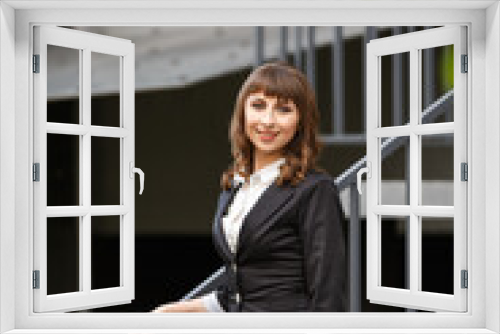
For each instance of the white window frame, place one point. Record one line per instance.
(16, 125)
(85, 44)
(413, 44)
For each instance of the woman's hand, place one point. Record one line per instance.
(192, 305)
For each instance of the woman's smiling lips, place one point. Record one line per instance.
(266, 135)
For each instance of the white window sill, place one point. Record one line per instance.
(267, 331)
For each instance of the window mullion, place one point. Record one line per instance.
(85, 164)
(415, 170)
(81, 221)
(85, 274)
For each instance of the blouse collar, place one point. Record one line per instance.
(263, 175)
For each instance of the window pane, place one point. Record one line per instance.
(437, 255)
(105, 171)
(105, 252)
(395, 89)
(63, 85)
(437, 84)
(394, 235)
(63, 170)
(63, 245)
(105, 89)
(437, 169)
(395, 171)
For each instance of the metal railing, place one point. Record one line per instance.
(348, 179)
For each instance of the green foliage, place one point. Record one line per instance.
(446, 68)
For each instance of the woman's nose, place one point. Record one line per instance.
(268, 117)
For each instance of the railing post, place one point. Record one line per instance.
(311, 57)
(259, 42)
(397, 82)
(283, 43)
(354, 252)
(429, 88)
(446, 73)
(298, 48)
(338, 81)
(371, 33)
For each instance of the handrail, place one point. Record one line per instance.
(434, 110)
(207, 285)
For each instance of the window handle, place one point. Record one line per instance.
(141, 175)
(363, 170)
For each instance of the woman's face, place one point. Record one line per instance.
(269, 126)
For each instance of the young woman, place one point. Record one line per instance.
(278, 225)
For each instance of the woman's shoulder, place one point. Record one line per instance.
(315, 177)
(318, 185)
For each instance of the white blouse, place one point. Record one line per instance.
(243, 202)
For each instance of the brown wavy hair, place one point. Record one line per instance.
(285, 82)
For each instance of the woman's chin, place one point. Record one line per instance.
(268, 150)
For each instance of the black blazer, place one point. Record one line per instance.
(291, 253)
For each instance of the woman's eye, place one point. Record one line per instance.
(285, 109)
(258, 105)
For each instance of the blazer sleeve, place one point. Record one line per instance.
(222, 291)
(324, 248)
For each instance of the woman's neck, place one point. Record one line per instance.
(263, 160)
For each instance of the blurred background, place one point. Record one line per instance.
(187, 80)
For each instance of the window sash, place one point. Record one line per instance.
(86, 297)
(414, 43)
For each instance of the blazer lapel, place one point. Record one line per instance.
(219, 235)
(254, 224)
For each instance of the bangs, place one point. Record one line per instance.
(277, 83)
